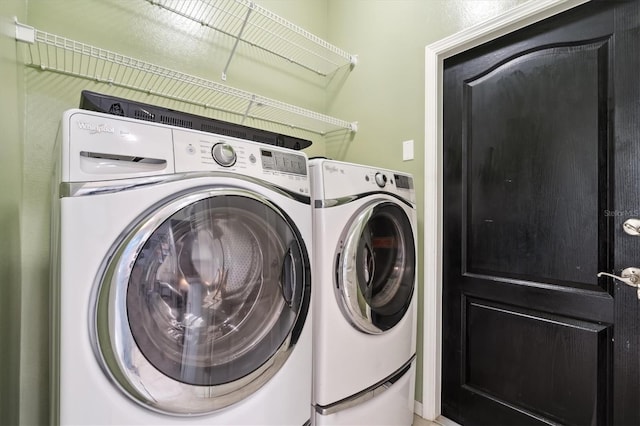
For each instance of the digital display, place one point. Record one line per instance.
(403, 181)
(284, 162)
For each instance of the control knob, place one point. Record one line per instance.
(381, 179)
(224, 154)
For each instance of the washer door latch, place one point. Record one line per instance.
(629, 276)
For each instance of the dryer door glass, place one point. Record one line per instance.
(376, 268)
(203, 301)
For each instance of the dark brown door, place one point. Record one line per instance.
(541, 170)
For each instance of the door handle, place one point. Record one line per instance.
(629, 276)
(632, 227)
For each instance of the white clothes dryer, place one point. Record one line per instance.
(181, 279)
(364, 300)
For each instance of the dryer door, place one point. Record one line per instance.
(203, 301)
(376, 267)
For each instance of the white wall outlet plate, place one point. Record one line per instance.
(407, 150)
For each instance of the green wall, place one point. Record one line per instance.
(384, 93)
(11, 142)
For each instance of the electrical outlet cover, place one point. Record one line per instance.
(407, 150)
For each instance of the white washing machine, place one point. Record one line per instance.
(364, 300)
(181, 284)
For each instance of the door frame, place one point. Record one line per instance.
(435, 54)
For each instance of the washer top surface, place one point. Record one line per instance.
(102, 147)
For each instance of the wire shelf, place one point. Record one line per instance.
(50, 52)
(250, 23)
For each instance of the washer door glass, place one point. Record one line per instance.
(376, 268)
(216, 290)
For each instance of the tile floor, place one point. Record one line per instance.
(440, 421)
(419, 421)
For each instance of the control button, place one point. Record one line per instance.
(252, 158)
(191, 149)
(381, 180)
(224, 154)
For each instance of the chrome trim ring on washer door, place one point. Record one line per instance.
(202, 301)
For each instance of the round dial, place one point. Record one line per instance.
(381, 179)
(224, 154)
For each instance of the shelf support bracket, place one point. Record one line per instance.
(24, 33)
(246, 113)
(238, 38)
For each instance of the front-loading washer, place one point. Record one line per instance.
(364, 301)
(181, 277)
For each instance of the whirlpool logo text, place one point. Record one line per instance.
(93, 128)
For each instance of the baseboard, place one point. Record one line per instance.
(417, 408)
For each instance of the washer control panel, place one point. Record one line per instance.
(200, 152)
(224, 154)
(285, 162)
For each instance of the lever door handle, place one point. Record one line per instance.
(629, 276)
(632, 227)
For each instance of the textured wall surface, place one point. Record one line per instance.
(11, 118)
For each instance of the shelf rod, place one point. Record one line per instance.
(238, 38)
(246, 113)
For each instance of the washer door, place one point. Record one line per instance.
(203, 301)
(376, 267)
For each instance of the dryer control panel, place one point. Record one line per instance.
(201, 152)
(339, 179)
